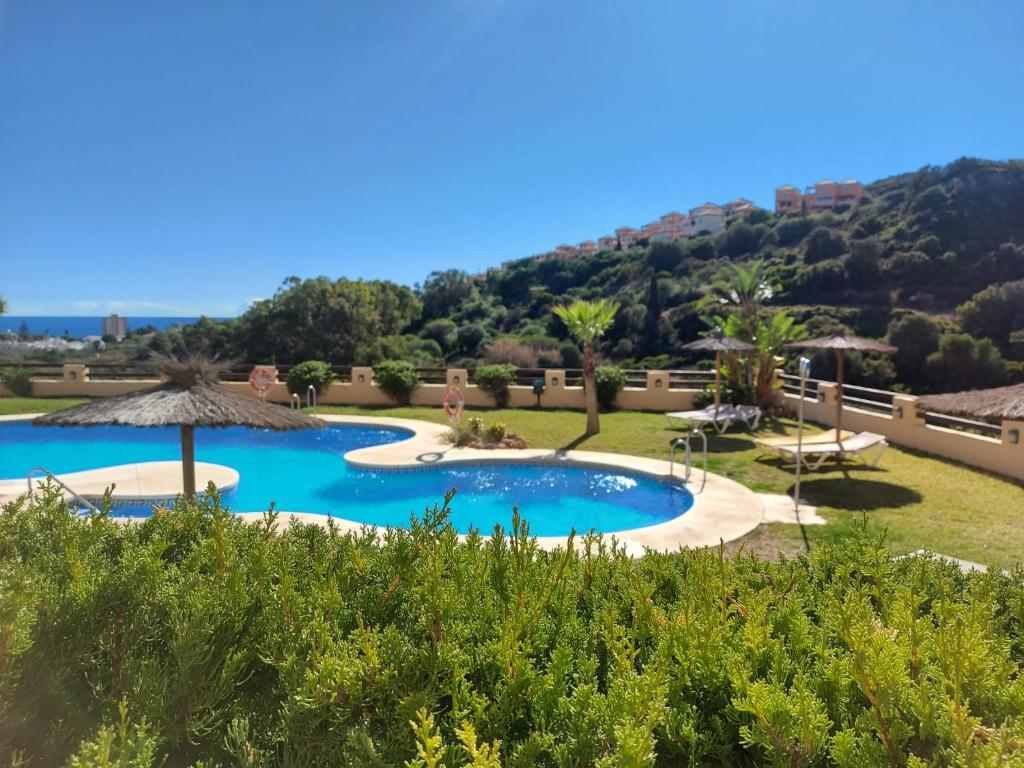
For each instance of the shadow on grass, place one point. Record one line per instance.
(856, 494)
(727, 444)
(576, 443)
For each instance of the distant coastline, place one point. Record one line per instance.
(77, 327)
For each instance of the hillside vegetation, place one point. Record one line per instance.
(934, 260)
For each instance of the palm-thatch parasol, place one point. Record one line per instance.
(192, 397)
(841, 343)
(718, 342)
(1004, 403)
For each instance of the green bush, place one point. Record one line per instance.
(397, 379)
(235, 644)
(497, 431)
(610, 381)
(18, 380)
(495, 380)
(312, 372)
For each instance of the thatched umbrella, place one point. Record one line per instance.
(841, 344)
(190, 398)
(1002, 403)
(718, 342)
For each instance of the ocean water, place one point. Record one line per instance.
(305, 471)
(76, 327)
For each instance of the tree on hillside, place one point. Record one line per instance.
(587, 322)
(994, 313)
(963, 362)
(652, 317)
(916, 337)
(823, 244)
(444, 291)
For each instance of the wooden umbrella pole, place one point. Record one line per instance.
(188, 461)
(718, 381)
(840, 357)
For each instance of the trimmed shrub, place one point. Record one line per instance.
(495, 380)
(610, 381)
(312, 372)
(18, 380)
(397, 379)
(239, 643)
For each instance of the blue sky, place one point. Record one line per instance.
(184, 157)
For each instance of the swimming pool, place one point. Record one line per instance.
(305, 471)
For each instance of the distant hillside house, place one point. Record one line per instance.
(627, 236)
(738, 207)
(606, 243)
(824, 195)
(587, 246)
(708, 218)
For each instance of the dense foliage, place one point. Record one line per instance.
(397, 378)
(945, 242)
(495, 379)
(610, 380)
(311, 373)
(197, 637)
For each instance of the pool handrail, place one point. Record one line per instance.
(53, 478)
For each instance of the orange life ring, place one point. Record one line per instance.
(261, 379)
(453, 402)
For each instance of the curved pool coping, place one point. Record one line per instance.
(724, 511)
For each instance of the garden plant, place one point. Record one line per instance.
(195, 638)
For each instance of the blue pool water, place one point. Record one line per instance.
(304, 472)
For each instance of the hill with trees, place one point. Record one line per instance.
(933, 261)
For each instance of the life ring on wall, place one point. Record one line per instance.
(454, 402)
(261, 379)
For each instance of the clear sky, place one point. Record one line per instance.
(165, 158)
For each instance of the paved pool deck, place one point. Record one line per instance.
(723, 510)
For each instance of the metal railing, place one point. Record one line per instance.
(970, 426)
(54, 479)
(878, 400)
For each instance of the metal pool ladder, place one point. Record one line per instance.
(54, 479)
(688, 456)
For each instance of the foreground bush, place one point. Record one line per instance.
(195, 638)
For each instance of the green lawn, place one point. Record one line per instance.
(10, 406)
(917, 500)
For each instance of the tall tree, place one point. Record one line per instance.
(652, 318)
(587, 322)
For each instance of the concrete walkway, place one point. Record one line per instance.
(142, 482)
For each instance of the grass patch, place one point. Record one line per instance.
(12, 406)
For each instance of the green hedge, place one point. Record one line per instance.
(194, 636)
(315, 373)
(495, 380)
(610, 380)
(397, 379)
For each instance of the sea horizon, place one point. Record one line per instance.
(79, 326)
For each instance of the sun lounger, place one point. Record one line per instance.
(769, 445)
(813, 455)
(726, 416)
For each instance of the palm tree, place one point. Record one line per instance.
(746, 291)
(587, 322)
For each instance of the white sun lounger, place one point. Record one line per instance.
(813, 455)
(727, 415)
